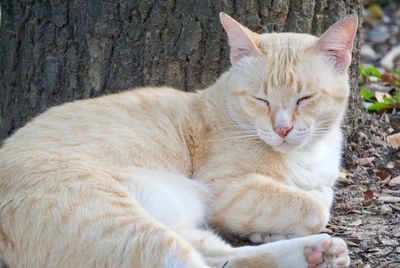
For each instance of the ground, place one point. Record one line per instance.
(367, 207)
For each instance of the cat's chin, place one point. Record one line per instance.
(284, 147)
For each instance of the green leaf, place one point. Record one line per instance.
(378, 106)
(388, 100)
(396, 98)
(366, 94)
(396, 71)
(373, 71)
(370, 71)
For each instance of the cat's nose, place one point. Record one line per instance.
(283, 131)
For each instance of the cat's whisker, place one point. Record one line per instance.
(233, 130)
(235, 137)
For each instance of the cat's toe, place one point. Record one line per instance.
(337, 255)
(256, 238)
(314, 255)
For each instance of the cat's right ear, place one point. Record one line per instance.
(337, 42)
(242, 41)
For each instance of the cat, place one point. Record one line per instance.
(134, 179)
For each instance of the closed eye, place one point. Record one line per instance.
(263, 100)
(304, 98)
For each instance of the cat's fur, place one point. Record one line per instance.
(128, 180)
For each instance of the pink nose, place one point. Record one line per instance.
(283, 131)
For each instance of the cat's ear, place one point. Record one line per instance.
(242, 41)
(337, 42)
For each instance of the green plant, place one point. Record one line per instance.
(380, 101)
(368, 71)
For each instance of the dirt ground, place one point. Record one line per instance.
(367, 208)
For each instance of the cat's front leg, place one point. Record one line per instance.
(258, 204)
(324, 193)
(315, 251)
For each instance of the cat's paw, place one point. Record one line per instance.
(328, 253)
(259, 238)
(337, 256)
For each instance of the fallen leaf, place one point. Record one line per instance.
(352, 244)
(395, 181)
(356, 223)
(342, 175)
(380, 96)
(394, 140)
(365, 161)
(394, 207)
(388, 60)
(344, 179)
(391, 164)
(385, 209)
(389, 242)
(388, 78)
(327, 230)
(382, 174)
(368, 195)
(389, 199)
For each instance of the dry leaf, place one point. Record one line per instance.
(389, 199)
(395, 181)
(365, 161)
(388, 78)
(388, 60)
(368, 195)
(394, 140)
(391, 164)
(327, 230)
(356, 223)
(382, 174)
(342, 175)
(380, 96)
(344, 179)
(351, 244)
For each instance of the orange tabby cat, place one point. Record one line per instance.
(132, 179)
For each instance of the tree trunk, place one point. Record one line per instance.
(57, 51)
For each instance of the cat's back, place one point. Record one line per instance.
(142, 127)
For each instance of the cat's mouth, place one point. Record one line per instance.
(282, 145)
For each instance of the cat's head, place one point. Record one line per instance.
(288, 88)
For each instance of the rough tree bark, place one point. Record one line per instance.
(61, 50)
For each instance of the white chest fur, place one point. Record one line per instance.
(317, 165)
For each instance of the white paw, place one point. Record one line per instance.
(337, 256)
(258, 238)
(327, 253)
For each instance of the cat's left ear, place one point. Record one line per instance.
(242, 41)
(337, 42)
